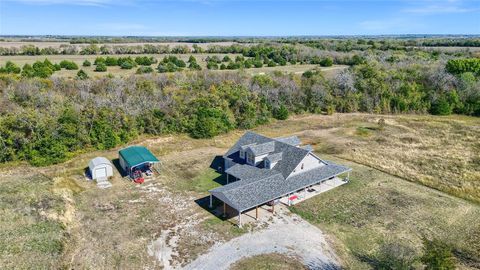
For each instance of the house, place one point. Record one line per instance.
(101, 169)
(136, 159)
(261, 170)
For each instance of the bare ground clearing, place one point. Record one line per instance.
(284, 233)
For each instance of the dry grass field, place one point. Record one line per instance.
(162, 222)
(117, 71)
(58, 44)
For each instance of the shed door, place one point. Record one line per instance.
(101, 172)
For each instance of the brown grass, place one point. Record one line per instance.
(113, 228)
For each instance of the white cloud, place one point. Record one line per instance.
(438, 7)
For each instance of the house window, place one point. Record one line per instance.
(242, 154)
(250, 158)
(267, 164)
(302, 166)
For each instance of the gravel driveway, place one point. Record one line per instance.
(286, 233)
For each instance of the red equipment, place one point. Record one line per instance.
(137, 177)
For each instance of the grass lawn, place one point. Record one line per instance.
(273, 261)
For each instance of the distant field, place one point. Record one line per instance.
(46, 44)
(116, 70)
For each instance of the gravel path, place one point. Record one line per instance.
(286, 233)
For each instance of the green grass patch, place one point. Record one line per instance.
(272, 261)
(201, 183)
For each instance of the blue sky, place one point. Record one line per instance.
(238, 17)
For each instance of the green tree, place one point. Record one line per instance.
(326, 62)
(210, 122)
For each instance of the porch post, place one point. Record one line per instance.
(256, 213)
(210, 204)
(305, 193)
(273, 208)
(348, 176)
(227, 178)
(239, 219)
(224, 210)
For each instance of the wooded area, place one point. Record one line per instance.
(47, 120)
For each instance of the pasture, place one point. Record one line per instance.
(122, 226)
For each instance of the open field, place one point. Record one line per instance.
(53, 44)
(116, 70)
(162, 223)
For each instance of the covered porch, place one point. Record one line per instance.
(312, 191)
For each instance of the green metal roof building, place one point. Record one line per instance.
(135, 157)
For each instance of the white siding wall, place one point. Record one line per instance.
(108, 168)
(228, 163)
(309, 162)
(260, 159)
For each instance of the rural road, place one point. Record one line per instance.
(286, 233)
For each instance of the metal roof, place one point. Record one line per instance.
(98, 161)
(136, 155)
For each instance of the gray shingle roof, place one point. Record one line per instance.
(249, 173)
(307, 147)
(261, 149)
(292, 140)
(274, 157)
(247, 138)
(245, 195)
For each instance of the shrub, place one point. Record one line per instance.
(99, 60)
(69, 65)
(326, 62)
(101, 67)
(111, 61)
(127, 65)
(144, 69)
(86, 63)
(82, 75)
(10, 67)
(441, 107)
(437, 255)
(280, 113)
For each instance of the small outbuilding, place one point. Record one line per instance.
(136, 159)
(100, 168)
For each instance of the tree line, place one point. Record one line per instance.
(48, 120)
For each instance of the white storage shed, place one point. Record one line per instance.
(100, 168)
